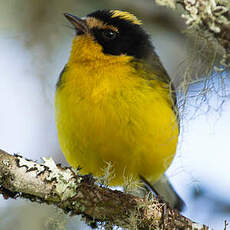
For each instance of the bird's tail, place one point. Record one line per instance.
(164, 188)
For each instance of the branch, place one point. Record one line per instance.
(80, 195)
(212, 17)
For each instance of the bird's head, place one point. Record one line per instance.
(109, 33)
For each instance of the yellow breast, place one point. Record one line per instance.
(107, 112)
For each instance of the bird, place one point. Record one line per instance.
(115, 103)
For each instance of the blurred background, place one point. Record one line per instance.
(35, 41)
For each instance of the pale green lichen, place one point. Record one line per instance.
(108, 174)
(211, 17)
(151, 207)
(50, 164)
(131, 185)
(30, 165)
(210, 11)
(6, 162)
(66, 183)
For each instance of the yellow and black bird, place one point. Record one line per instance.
(115, 102)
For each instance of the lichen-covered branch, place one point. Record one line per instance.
(80, 195)
(209, 16)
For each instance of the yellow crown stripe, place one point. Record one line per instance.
(126, 15)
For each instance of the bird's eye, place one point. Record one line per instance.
(109, 34)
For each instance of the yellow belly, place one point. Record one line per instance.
(121, 120)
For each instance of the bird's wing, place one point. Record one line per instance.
(153, 70)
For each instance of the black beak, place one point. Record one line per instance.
(79, 24)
